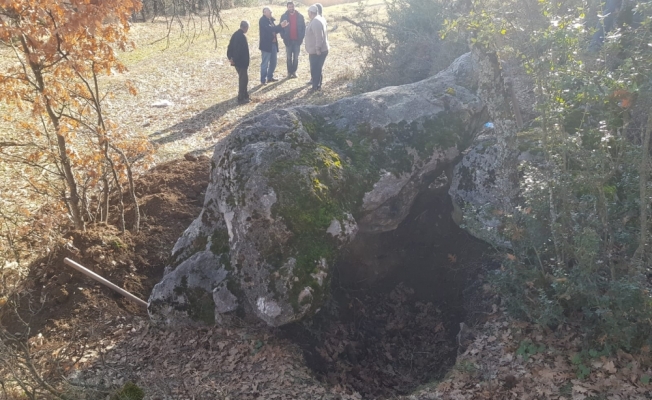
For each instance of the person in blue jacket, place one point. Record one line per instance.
(268, 45)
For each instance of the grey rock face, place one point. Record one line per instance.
(290, 187)
(476, 196)
(485, 183)
(188, 292)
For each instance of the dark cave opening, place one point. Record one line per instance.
(397, 302)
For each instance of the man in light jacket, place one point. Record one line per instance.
(293, 35)
(268, 45)
(316, 45)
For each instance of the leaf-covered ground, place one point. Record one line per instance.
(100, 341)
(507, 359)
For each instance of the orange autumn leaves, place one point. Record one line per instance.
(59, 50)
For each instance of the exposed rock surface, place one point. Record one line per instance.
(290, 187)
(485, 183)
(477, 198)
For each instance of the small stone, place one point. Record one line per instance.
(190, 157)
(162, 103)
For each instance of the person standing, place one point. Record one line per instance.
(268, 45)
(320, 9)
(293, 37)
(238, 55)
(316, 45)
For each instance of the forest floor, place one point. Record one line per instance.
(383, 342)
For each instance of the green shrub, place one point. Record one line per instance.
(579, 251)
(408, 46)
(130, 391)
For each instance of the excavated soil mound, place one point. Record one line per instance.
(170, 197)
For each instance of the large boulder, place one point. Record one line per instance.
(290, 188)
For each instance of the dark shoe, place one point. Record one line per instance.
(245, 101)
(263, 83)
(272, 80)
(309, 82)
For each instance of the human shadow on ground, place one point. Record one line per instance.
(194, 124)
(301, 95)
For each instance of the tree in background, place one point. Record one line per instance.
(406, 46)
(60, 144)
(174, 12)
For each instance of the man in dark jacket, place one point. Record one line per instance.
(268, 45)
(293, 37)
(238, 55)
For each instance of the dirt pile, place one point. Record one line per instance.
(170, 196)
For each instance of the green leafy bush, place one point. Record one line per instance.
(407, 47)
(579, 237)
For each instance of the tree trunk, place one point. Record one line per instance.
(132, 189)
(69, 177)
(104, 206)
(73, 200)
(116, 178)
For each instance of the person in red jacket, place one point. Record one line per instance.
(293, 37)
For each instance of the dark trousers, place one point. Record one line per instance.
(243, 81)
(316, 68)
(292, 50)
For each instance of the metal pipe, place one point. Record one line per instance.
(103, 281)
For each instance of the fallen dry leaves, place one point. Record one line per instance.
(377, 343)
(511, 359)
(215, 363)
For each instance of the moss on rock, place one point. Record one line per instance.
(329, 178)
(306, 188)
(220, 247)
